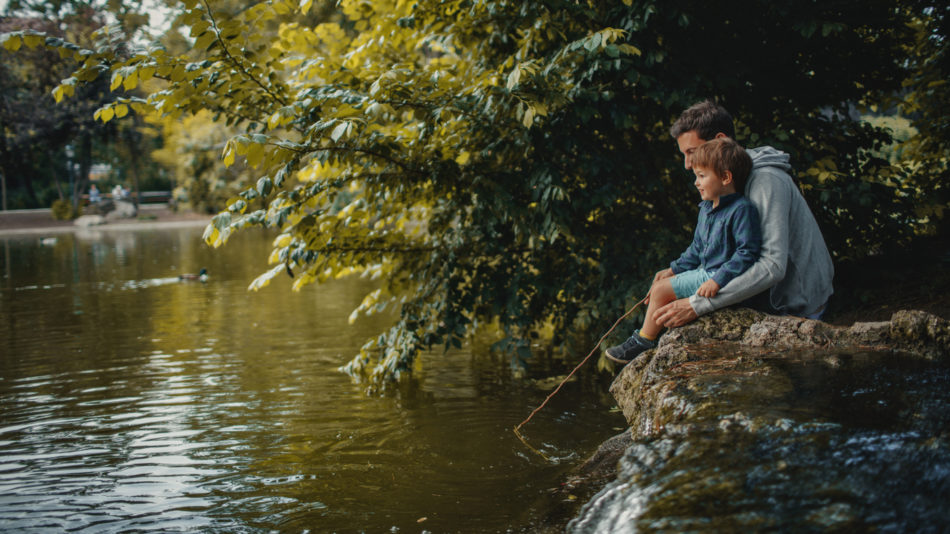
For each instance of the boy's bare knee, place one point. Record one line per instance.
(663, 292)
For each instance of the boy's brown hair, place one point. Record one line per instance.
(721, 155)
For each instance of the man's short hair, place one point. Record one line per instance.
(707, 118)
(721, 155)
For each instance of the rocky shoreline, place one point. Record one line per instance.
(729, 365)
(640, 388)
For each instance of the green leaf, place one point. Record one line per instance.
(264, 186)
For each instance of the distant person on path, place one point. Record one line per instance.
(94, 197)
(119, 192)
(725, 244)
(793, 275)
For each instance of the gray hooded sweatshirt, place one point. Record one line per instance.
(794, 264)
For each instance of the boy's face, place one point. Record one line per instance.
(712, 186)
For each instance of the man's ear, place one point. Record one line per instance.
(719, 136)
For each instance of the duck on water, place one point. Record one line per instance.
(202, 276)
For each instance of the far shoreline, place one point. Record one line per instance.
(150, 216)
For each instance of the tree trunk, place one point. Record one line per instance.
(136, 163)
(85, 163)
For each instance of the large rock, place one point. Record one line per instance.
(123, 210)
(89, 220)
(641, 387)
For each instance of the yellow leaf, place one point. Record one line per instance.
(513, 78)
(178, 74)
(303, 280)
(282, 8)
(12, 43)
(255, 154)
(32, 40)
(131, 81)
(116, 81)
(212, 236)
(205, 40)
(199, 27)
(463, 158)
(107, 114)
(273, 121)
(305, 5)
(121, 110)
(58, 94)
(264, 279)
(282, 240)
(629, 49)
(228, 154)
(240, 145)
(528, 118)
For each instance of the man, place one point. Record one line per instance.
(794, 271)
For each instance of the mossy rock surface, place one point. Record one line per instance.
(653, 389)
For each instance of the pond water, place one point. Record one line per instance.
(130, 401)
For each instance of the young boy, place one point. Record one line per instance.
(726, 241)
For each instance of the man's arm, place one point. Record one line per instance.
(771, 195)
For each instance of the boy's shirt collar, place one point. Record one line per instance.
(724, 201)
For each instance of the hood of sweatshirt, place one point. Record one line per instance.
(766, 156)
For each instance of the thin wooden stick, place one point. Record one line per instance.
(558, 388)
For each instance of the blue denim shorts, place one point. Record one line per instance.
(687, 282)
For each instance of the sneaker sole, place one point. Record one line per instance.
(617, 360)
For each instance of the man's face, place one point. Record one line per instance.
(688, 142)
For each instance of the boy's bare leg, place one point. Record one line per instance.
(661, 294)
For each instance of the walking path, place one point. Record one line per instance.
(41, 221)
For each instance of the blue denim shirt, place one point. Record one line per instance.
(727, 239)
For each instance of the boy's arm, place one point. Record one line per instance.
(690, 258)
(747, 233)
(771, 195)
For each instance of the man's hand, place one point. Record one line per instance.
(708, 289)
(676, 313)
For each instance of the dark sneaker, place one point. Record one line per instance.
(630, 348)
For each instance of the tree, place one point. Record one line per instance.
(36, 132)
(31, 139)
(927, 102)
(493, 161)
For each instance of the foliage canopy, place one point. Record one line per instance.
(40, 139)
(508, 161)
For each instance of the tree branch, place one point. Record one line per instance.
(237, 64)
